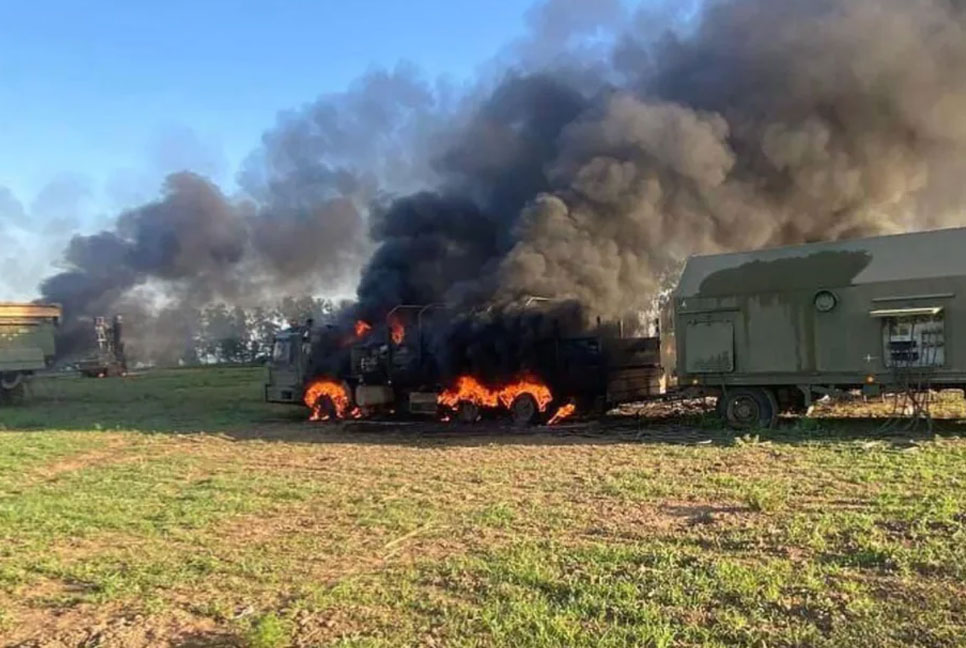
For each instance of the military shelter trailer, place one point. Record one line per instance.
(773, 328)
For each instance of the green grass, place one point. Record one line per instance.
(178, 400)
(269, 631)
(174, 507)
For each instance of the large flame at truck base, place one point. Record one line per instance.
(469, 389)
(328, 398)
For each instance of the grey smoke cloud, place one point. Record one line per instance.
(11, 209)
(768, 123)
(58, 206)
(23, 235)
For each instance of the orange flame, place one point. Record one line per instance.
(362, 328)
(397, 330)
(469, 389)
(539, 391)
(563, 412)
(316, 394)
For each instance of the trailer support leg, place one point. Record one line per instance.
(807, 394)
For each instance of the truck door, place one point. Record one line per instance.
(285, 370)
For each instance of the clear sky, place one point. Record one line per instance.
(99, 99)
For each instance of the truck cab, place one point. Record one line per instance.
(299, 355)
(288, 365)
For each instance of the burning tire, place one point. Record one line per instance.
(324, 409)
(467, 412)
(524, 410)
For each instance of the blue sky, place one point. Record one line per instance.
(98, 99)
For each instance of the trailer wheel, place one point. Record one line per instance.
(746, 408)
(467, 412)
(524, 410)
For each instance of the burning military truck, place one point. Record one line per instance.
(26, 345)
(763, 332)
(532, 364)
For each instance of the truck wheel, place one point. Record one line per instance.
(753, 407)
(13, 396)
(16, 395)
(467, 412)
(524, 410)
(10, 381)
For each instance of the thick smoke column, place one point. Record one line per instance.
(586, 164)
(758, 123)
(445, 245)
(771, 123)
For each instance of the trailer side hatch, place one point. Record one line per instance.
(913, 337)
(709, 347)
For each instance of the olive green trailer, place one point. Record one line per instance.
(776, 327)
(26, 344)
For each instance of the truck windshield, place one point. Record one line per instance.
(282, 352)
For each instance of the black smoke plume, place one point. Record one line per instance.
(755, 124)
(586, 164)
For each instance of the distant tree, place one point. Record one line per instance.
(235, 345)
(219, 331)
(263, 324)
(295, 310)
(225, 333)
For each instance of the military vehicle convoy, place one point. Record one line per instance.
(763, 332)
(26, 345)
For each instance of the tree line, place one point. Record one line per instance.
(218, 333)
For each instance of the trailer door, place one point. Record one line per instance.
(709, 347)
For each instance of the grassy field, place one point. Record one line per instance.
(175, 509)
